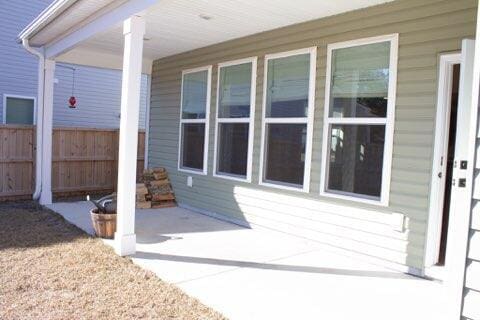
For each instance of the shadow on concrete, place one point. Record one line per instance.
(273, 266)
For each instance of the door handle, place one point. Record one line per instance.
(440, 175)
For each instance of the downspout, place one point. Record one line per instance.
(39, 118)
(147, 121)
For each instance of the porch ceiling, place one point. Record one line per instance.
(183, 25)
(176, 26)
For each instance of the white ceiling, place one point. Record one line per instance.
(175, 26)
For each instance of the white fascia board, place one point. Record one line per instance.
(104, 22)
(55, 8)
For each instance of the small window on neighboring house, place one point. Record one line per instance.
(359, 115)
(287, 120)
(195, 106)
(18, 110)
(235, 114)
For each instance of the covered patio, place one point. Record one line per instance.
(262, 274)
(243, 273)
(130, 35)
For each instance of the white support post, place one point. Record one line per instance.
(47, 131)
(133, 31)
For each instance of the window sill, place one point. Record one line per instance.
(303, 189)
(232, 177)
(193, 171)
(352, 198)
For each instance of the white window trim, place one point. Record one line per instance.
(250, 120)
(389, 122)
(4, 111)
(206, 121)
(307, 120)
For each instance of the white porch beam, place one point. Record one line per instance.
(92, 58)
(47, 131)
(96, 25)
(125, 239)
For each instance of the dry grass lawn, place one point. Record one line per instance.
(49, 269)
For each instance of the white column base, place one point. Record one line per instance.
(125, 245)
(45, 198)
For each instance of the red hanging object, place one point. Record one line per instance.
(72, 101)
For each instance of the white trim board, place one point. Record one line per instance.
(206, 121)
(250, 120)
(388, 121)
(4, 106)
(309, 120)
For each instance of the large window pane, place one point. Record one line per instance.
(234, 91)
(193, 141)
(194, 95)
(233, 148)
(285, 153)
(356, 159)
(19, 111)
(287, 86)
(359, 81)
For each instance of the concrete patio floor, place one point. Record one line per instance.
(262, 274)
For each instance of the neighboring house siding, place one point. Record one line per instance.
(471, 303)
(18, 68)
(98, 94)
(98, 91)
(426, 28)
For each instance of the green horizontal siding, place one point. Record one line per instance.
(426, 28)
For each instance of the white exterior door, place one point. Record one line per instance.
(461, 197)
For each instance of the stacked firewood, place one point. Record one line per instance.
(159, 192)
(142, 197)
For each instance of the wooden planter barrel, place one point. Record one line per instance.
(104, 224)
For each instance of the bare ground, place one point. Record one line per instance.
(49, 269)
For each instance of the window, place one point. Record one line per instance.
(18, 110)
(359, 118)
(288, 105)
(235, 116)
(194, 116)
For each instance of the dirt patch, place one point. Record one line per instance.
(52, 270)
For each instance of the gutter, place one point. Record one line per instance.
(39, 115)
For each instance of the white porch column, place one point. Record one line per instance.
(133, 31)
(49, 75)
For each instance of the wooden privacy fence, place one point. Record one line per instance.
(83, 160)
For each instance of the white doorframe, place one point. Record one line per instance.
(437, 190)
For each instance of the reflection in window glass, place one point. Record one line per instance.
(358, 120)
(288, 86)
(233, 148)
(359, 81)
(285, 154)
(193, 141)
(235, 91)
(194, 95)
(356, 159)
